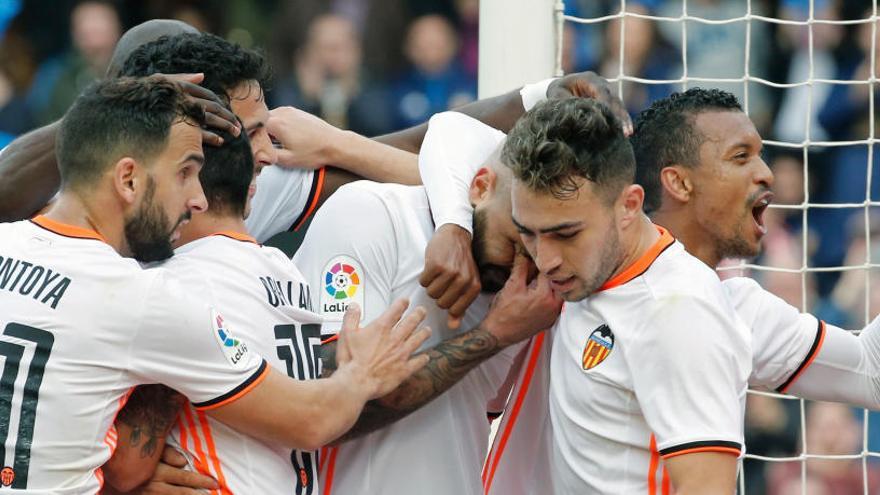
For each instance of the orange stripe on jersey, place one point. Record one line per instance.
(316, 195)
(99, 474)
(328, 340)
(643, 263)
(488, 477)
(238, 236)
(331, 470)
(67, 230)
(241, 393)
(652, 466)
(200, 460)
(111, 439)
(212, 453)
(723, 450)
(665, 481)
(811, 355)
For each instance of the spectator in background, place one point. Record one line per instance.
(15, 113)
(831, 429)
(845, 116)
(645, 55)
(469, 29)
(95, 28)
(435, 80)
(772, 429)
(328, 80)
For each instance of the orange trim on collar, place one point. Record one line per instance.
(238, 236)
(67, 230)
(643, 263)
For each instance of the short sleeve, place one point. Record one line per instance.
(349, 254)
(284, 200)
(183, 342)
(454, 149)
(689, 367)
(784, 339)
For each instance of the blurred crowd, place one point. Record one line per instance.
(375, 66)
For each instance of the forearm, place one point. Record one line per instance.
(449, 362)
(142, 426)
(500, 112)
(374, 160)
(846, 369)
(28, 174)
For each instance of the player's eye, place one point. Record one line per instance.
(566, 235)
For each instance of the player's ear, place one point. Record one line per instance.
(125, 179)
(676, 182)
(482, 186)
(630, 203)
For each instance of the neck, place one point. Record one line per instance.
(92, 214)
(689, 233)
(636, 243)
(205, 224)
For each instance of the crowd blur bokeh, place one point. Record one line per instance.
(375, 66)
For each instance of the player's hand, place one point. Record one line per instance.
(591, 85)
(217, 116)
(450, 275)
(171, 478)
(522, 309)
(379, 355)
(306, 140)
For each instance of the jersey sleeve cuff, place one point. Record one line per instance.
(238, 392)
(721, 446)
(312, 201)
(808, 359)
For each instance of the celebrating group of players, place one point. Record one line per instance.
(565, 269)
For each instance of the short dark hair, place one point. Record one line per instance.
(116, 118)
(665, 135)
(227, 173)
(224, 64)
(559, 141)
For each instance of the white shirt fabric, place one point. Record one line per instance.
(654, 366)
(81, 326)
(269, 304)
(377, 233)
(284, 200)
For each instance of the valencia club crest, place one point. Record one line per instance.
(598, 347)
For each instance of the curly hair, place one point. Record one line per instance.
(665, 135)
(559, 141)
(115, 118)
(224, 64)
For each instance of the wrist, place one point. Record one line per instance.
(457, 231)
(534, 93)
(492, 331)
(354, 380)
(341, 147)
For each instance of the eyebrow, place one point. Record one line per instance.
(196, 157)
(255, 126)
(548, 230)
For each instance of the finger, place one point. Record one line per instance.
(453, 322)
(172, 457)
(416, 363)
(408, 324)
(223, 121)
(440, 285)
(465, 300)
(211, 139)
(457, 289)
(194, 78)
(392, 315)
(184, 478)
(415, 340)
(431, 272)
(520, 270)
(198, 92)
(352, 317)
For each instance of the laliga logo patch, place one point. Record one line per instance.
(233, 349)
(343, 285)
(598, 347)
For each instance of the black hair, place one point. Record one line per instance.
(559, 141)
(227, 174)
(665, 135)
(115, 118)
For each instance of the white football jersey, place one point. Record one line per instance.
(367, 244)
(285, 199)
(81, 326)
(653, 365)
(267, 301)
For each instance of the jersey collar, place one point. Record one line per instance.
(67, 230)
(236, 235)
(642, 264)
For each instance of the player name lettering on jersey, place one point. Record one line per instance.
(29, 279)
(279, 293)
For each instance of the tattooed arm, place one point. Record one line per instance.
(519, 311)
(142, 426)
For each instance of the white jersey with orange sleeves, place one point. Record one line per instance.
(367, 244)
(653, 365)
(285, 200)
(266, 300)
(81, 326)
